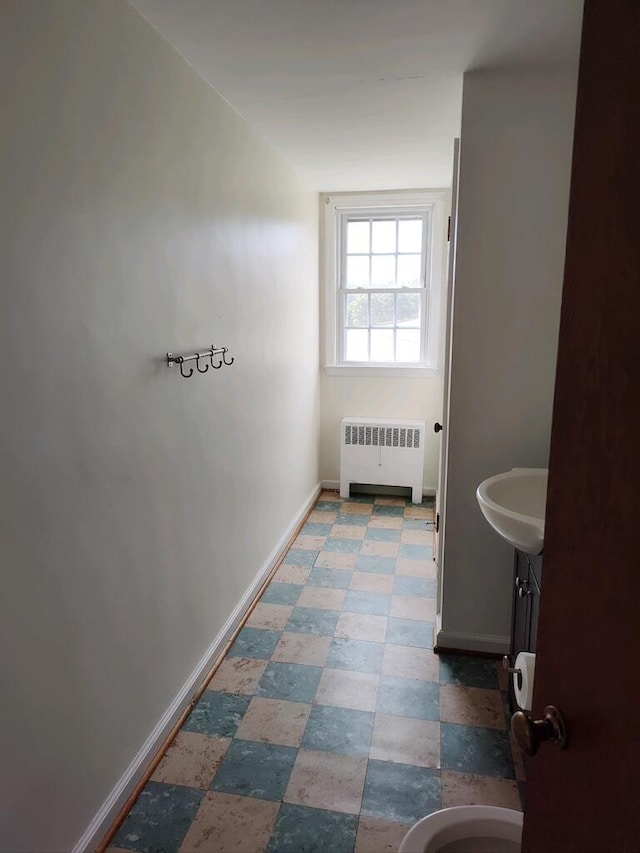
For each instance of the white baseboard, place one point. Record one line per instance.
(493, 644)
(123, 789)
(427, 491)
(330, 484)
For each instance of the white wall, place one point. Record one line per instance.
(408, 397)
(140, 215)
(395, 397)
(516, 143)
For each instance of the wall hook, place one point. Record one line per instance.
(220, 352)
(180, 361)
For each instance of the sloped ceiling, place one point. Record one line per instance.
(361, 94)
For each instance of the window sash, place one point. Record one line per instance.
(393, 327)
(342, 291)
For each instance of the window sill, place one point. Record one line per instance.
(380, 371)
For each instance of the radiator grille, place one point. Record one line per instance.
(369, 436)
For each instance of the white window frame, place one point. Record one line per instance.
(337, 208)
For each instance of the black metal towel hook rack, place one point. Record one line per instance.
(219, 353)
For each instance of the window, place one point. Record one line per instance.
(383, 270)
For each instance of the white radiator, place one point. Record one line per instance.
(381, 452)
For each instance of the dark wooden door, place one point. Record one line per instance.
(587, 797)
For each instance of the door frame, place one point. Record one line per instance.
(441, 487)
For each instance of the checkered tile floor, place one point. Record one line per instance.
(331, 725)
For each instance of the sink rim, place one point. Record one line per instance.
(521, 530)
(520, 473)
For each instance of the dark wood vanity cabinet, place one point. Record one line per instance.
(526, 599)
(527, 576)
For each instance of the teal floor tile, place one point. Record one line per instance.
(299, 829)
(335, 578)
(469, 671)
(355, 655)
(258, 643)
(372, 603)
(328, 506)
(344, 546)
(300, 557)
(408, 697)
(281, 593)
(292, 681)
(217, 714)
(315, 528)
(376, 565)
(382, 509)
(422, 587)
(340, 730)
(409, 632)
(400, 792)
(416, 552)
(312, 620)
(473, 749)
(259, 770)
(381, 534)
(159, 819)
(352, 518)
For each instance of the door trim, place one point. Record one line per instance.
(441, 489)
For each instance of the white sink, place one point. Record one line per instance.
(514, 505)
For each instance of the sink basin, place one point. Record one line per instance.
(514, 504)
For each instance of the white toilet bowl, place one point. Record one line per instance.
(466, 829)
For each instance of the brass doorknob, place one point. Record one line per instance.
(530, 733)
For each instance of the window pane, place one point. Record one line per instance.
(409, 270)
(358, 309)
(408, 345)
(382, 345)
(357, 345)
(382, 309)
(383, 236)
(410, 235)
(408, 309)
(358, 237)
(357, 272)
(383, 271)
